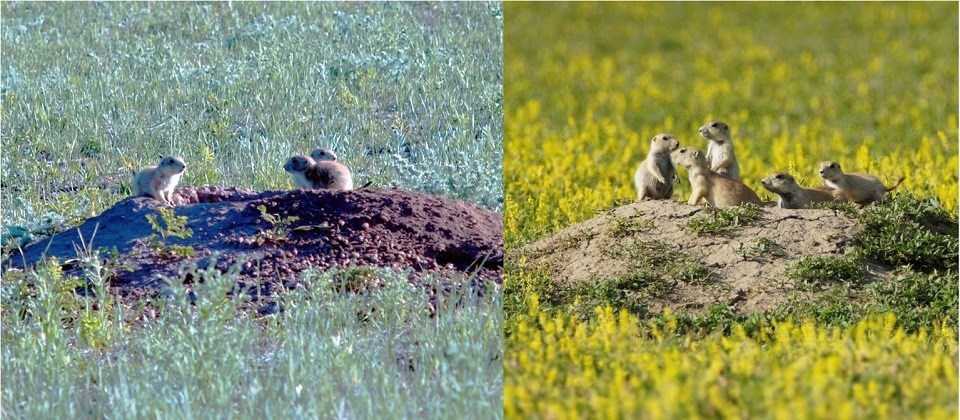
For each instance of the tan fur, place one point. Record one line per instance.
(792, 196)
(159, 181)
(310, 174)
(720, 157)
(859, 188)
(321, 154)
(655, 176)
(717, 189)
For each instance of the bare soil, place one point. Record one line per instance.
(369, 227)
(746, 272)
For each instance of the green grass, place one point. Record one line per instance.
(654, 272)
(813, 272)
(917, 300)
(331, 352)
(620, 227)
(408, 95)
(719, 221)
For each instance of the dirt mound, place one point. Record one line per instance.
(369, 227)
(744, 268)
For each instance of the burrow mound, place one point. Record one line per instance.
(747, 266)
(368, 227)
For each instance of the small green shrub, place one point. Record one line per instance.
(620, 227)
(918, 299)
(813, 272)
(574, 239)
(764, 248)
(908, 231)
(660, 259)
(720, 221)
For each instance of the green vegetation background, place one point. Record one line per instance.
(409, 95)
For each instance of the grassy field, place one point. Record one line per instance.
(330, 353)
(871, 86)
(408, 95)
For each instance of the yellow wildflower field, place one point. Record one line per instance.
(871, 86)
(587, 85)
(611, 368)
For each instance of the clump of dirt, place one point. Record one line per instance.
(743, 267)
(368, 227)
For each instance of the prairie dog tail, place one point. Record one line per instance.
(896, 184)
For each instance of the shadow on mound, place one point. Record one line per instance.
(370, 227)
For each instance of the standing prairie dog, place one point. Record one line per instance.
(859, 188)
(310, 174)
(792, 196)
(159, 181)
(717, 189)
(720, 156)
(655, 175)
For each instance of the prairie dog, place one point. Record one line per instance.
(859, 188)
(792, 196)
(321, 154)
(159, 181)
(655, 175)
(717, 189)
(720, 156)
(310, 174)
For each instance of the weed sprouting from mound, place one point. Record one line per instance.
(172, 226)
(722, 220)
(620, 227)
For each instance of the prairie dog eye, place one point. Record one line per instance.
(779, 176)
(715, 125)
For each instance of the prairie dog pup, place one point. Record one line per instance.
(720, 157)
(311, 175)
(859, 188)
(655, 175)
(717, 189)
(321, 154)
(792, 196)
(159, 181)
